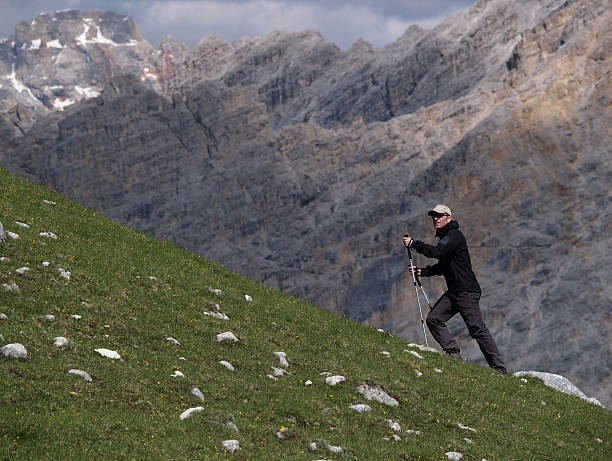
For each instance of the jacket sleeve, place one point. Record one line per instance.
(428, 271)
(446, 245)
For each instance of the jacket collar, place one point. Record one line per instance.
(450, 226)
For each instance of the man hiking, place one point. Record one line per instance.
(463, 290)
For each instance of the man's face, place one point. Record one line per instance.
(440, 220)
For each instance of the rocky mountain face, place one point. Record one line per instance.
(301, 165)
(55, 60)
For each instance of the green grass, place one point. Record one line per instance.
(131, 409)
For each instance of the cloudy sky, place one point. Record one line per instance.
(339, 21)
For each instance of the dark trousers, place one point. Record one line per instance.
(466, 304)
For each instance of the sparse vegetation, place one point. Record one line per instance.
(133, 292)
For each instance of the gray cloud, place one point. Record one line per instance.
(342, 22)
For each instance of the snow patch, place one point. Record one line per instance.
(55, 44)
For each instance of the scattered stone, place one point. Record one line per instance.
(394, 437)
(598, 440)
(61, 342)
(415, 353)
(22, 224)
(272, 377)
(177, 374)
(248, 298)
(453, 455)
(49, 317)
(335, 449)
(308, 383)
(15, 350)
(187, 413)
(312, 446)
(386, 353)
(423, 348)
(333, 380)
(75, 317)
(411, 431)
(226, 337)
(46, 263)
(218, 314)
(227, 365)
(543, 403)
(418, 373)
(49, 202)
(64, 273)
(198, 393)
(108, 353)
(278, 371)
(182, 359)
(394, 425)
(82, 374)
(3, 316)
(2, 233)
(559, 383)
(361, 407)
(376, 393)
(170, 339)
(215, 291)
(466, 428)
(22, 270)
(4, 259)
(283, 359)
(437, 370)
(48, 234)
(12, 235)
(231, 445)
(467, 440)
(11, 286)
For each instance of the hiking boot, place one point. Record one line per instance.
(455, 354)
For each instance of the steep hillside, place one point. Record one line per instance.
(119, 333)
(301, 166)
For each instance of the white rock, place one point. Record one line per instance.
(81, 373)
(15, 350)
(468, 440)
(231, 425)
(386, 353)
(437, 370)
(48, 234)
(411, 431)
(4, 259)
(376, 393)
(46, 263)
(231, 445)
(272, 377)
(3, 316)
(198, 393)
(278, 371)
(228, 336)
(12, 286)
(108, 353)
(49, 317)
(227, 365)
(394, 437)
(415, 353)
(453, 455)
(423, 348)
(22, 270)
(283, 359)
(419, 374)
(333, 380)
(335, 449)
(559, 383)
(177, 374)
(173, 341)
(219, 315)
(60, 341)
(22, 224)
(75, 317)
(394, 425)
(308, 383)
(187, 413)
(216, 291)
(248, 298)
(182, 359)
(64, 273)
(361, 407)
(49, 202)
(598, 440)
(12, 235)
(466, 428)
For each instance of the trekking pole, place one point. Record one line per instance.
(416, 290)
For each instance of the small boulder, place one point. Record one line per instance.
(16, 350)
(227, 337)
(81, 373)
(231, 445)
(187, 413)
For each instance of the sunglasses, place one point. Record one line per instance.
(437, 215)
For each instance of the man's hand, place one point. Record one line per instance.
(416, 270)
(406, 240)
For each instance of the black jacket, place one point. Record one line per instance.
(453, 257)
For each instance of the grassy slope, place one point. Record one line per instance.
(131, 409)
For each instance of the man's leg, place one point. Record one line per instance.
(467, 305)
(441, 313)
